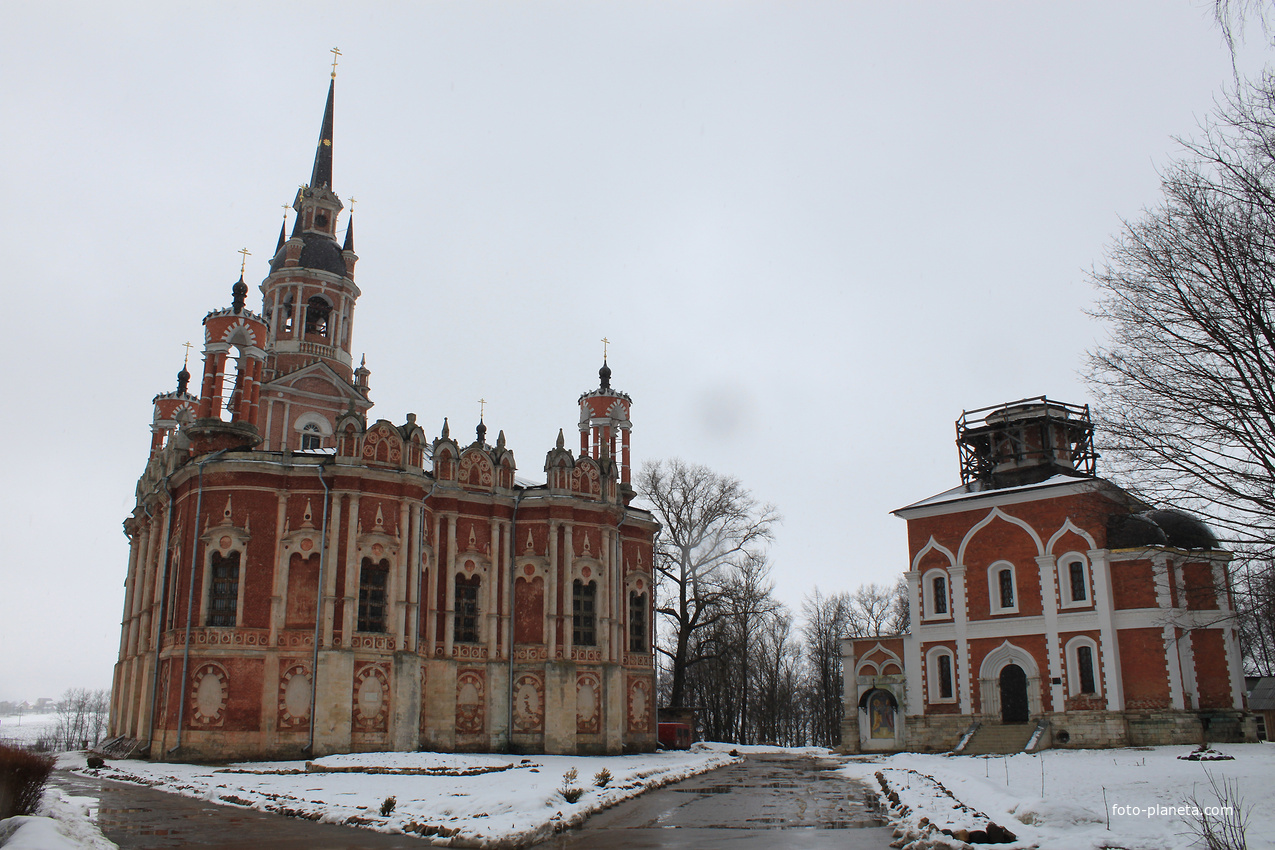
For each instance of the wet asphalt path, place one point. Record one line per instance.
(768, 802)
(138, 818)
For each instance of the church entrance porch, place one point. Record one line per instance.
(1013, 694)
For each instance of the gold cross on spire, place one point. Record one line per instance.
(605, 343)
(286, 207)
(353, 201)
(482, 407)
(186, 359)
(243, 264)
(336, 51)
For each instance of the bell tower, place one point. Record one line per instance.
(1025, 442)
(604, 422)
(310, 293)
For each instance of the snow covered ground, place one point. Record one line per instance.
(1135, 799)
(473, 800)
(26, 729)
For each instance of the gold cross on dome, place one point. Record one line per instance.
(335, 53)
(605, 342)
(186, 359)
(482, 408)
(243, 264)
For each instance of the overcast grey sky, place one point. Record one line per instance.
(813, 232)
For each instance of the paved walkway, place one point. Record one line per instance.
(768, 802)
(138, 818)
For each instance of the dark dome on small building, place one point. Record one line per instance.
(319, 252)
(1183, 530)
(1159, 528)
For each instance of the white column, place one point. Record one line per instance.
(960, 622)
(1048, 567)
(1109, 650)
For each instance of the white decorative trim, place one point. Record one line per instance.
(996, 513)
(933, 689)
(994, 588)
(928, 597)
(1073, 666)
(1068, 525)
(932, 546)
(1065, 600)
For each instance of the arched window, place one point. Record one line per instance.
(637, 622)
(373, 581)
(1002, 588)
(583, 613)
(941, 675)
(1082, 667)
(935, 598)
(223, 590)
(465, 628)
(317, 311)
(1073, 580)
(311, 437)
(287, 313)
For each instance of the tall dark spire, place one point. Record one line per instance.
(322, 174)
(349, 234)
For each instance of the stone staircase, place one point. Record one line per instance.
(997, 738)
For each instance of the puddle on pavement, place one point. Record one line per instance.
(708, 789)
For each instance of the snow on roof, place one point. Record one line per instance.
(975, 489)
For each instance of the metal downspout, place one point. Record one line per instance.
(318, 612)
(420, 604)
(190, 596)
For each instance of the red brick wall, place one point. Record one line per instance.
(1133, 584)
(1144, 670)
(1212, 673)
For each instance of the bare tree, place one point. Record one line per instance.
(82, 716)
(711, 525)
(1186, 385)
(828, 619)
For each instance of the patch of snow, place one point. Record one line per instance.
(65, 822)
(1063, 799)
(472, 800)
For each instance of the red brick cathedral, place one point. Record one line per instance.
(1049, 607)
(302, 580)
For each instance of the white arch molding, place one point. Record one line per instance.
(997, 513)
(989, 680)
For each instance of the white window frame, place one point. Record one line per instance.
(933, 690)
(1073, 667)
(927, 594)
(994, 587)
(1064, 581)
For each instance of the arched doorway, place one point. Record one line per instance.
(1013, 682)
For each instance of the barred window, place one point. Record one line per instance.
(940, 595)
(637, 622)
(373, 580)
(223, 596)
(465, 628)
(945, 677)
(1076, 573)
(583, 617)
(1084, 665)
(1006, 579)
